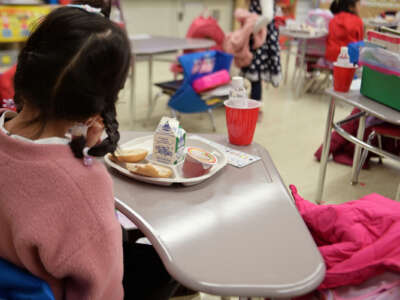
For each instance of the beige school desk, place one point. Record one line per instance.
(236, 234)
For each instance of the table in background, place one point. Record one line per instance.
(148, 46)
(237, 234)
(371, 22)
(367, 107)
(303, 38)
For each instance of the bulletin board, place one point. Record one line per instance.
(16, 22)
(371, 8)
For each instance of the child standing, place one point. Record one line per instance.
(266, 64)
(57, 216)
(346, 27)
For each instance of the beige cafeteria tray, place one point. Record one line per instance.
(146, 142)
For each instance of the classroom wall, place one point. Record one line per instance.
(173, 17)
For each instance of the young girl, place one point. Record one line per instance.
(346, 27)
(266, 65)
(57, 217)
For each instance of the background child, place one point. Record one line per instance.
(266, 64)
(57, 216)
(346, 27)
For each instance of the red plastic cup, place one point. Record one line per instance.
(342, 78)
(241, 121)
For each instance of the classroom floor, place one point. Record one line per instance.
(291, 130)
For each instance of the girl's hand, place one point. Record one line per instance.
(95, 131)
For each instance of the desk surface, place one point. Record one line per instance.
(237, 234)
(373, 108)
(147, 45)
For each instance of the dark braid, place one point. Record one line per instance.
(111, 125)
(77, 144)
(109, 144)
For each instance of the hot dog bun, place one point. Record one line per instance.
(130, 155)
(150, 170)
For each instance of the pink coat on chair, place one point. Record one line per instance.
(237, 43)
(358, 239)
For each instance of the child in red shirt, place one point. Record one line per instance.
(346, 27)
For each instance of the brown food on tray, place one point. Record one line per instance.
(150, 170)
(129, 155)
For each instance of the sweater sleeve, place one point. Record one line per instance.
(95, 271)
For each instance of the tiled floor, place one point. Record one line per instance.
(291, 129)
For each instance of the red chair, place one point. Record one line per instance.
(383, 131)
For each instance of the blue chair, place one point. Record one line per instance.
(195, 65)
(18, 284)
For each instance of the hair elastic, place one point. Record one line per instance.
(87, 159)
(88, 8)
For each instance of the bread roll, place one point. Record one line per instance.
(150, 170)
(130, 155)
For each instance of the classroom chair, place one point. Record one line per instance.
(18, 284)
(167, 88)
(381, 131)
(183, 97)
(321, 77)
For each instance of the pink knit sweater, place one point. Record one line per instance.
(57, 220)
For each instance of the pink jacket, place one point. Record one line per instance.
(57, 220)
(358, 239)
(237, 43)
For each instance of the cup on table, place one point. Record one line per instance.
(342, 77)
(241, 121)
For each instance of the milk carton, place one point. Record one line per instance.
(169, 142)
